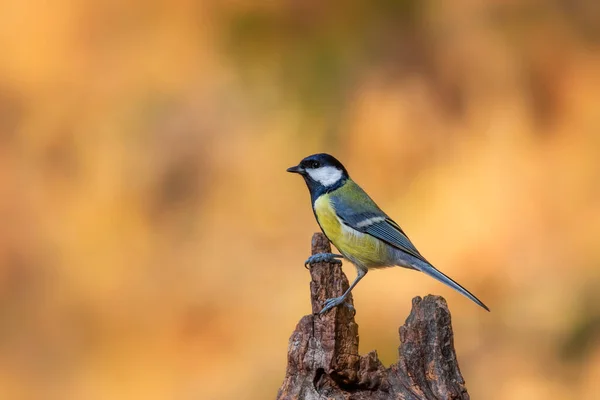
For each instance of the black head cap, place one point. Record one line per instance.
(322, 173)
(317, 161)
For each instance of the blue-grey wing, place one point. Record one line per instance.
(358, 211)
(389, 232)
(363, 215)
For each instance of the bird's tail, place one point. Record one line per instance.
(434, 273)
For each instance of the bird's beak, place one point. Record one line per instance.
(297, 169)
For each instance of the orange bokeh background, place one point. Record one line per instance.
(152, 245)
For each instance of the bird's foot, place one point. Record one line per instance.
(336, 301)
(323, 257)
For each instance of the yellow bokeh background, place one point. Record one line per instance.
(152, 245)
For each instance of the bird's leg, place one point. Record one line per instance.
(336, 301)
(321, 257)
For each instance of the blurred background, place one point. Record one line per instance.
(152, 244)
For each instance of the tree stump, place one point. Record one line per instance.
(323, 360)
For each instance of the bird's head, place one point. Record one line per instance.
(322, 172)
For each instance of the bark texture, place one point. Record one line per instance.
(323, 360)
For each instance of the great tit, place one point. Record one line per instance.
(361, 231)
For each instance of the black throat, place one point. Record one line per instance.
(317, 189)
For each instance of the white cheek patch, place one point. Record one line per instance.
(326, 176)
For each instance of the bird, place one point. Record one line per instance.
(358, 228)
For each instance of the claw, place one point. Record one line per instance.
(334, 302)
(323, 257)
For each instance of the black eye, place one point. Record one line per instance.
(315, 164)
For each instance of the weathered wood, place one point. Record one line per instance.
(323, 360)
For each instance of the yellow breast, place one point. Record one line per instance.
(361, 249)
